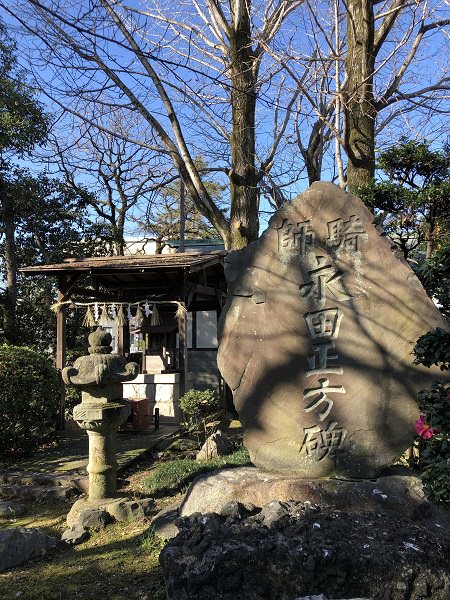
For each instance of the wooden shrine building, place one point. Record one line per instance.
(165, 305)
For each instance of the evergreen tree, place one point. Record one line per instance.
(23, 124)
(50, 223)
(412, 205)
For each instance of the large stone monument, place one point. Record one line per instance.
(317, 337)
(102, 409)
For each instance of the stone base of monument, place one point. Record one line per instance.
(244, 534)
(250, 485)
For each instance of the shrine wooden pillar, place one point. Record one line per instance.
(65, 284)
(61, 350)
(123, 339)
(182, 335)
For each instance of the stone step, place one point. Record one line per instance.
(38, 492)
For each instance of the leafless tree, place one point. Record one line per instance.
(170, 215)
(368, 66)
(120, 175)
(190, 68)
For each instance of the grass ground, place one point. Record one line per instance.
(118, 563)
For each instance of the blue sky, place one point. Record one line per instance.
(199, 136)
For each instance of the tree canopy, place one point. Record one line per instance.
(412, 200)
(264, 91)
(411, 203)
(260, 89)
(50, 223)
(41, 219)
(23, 123)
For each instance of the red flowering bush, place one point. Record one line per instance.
(424, 430)
(433, 425)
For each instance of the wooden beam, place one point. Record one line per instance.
(202, 289)
(66, 285)
(190, 298)
(151, 289)
(106, 282)
(205, 265)
(197, 306)
(221, 297)
(91, 293)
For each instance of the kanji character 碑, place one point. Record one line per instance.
(320, 443)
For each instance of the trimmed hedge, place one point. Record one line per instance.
(29, 397)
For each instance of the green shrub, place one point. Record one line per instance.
(199, 405)
(433, 426)
(73, 394)
(433, 348)
(29, 395)
(174, 476)
(434, 273)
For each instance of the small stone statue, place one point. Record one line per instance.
(102, 409)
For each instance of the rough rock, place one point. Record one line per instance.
(237, 510)
(163, 524)
(102, 512)
(322, 597)
(94, 519)
(85, 504)
(10, 509)
(248, 485)
(316, 339)
(75, 535)
(18, 545)
(307, 551)
(132, 510)
(217, 444)
(273, 514)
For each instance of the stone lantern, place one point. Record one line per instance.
(102, 409)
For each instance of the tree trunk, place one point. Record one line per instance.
(119, 236)
(182, 216)
(10, 264)
(243, 189)
(313, 153)
(360, 112)
(432, 222)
